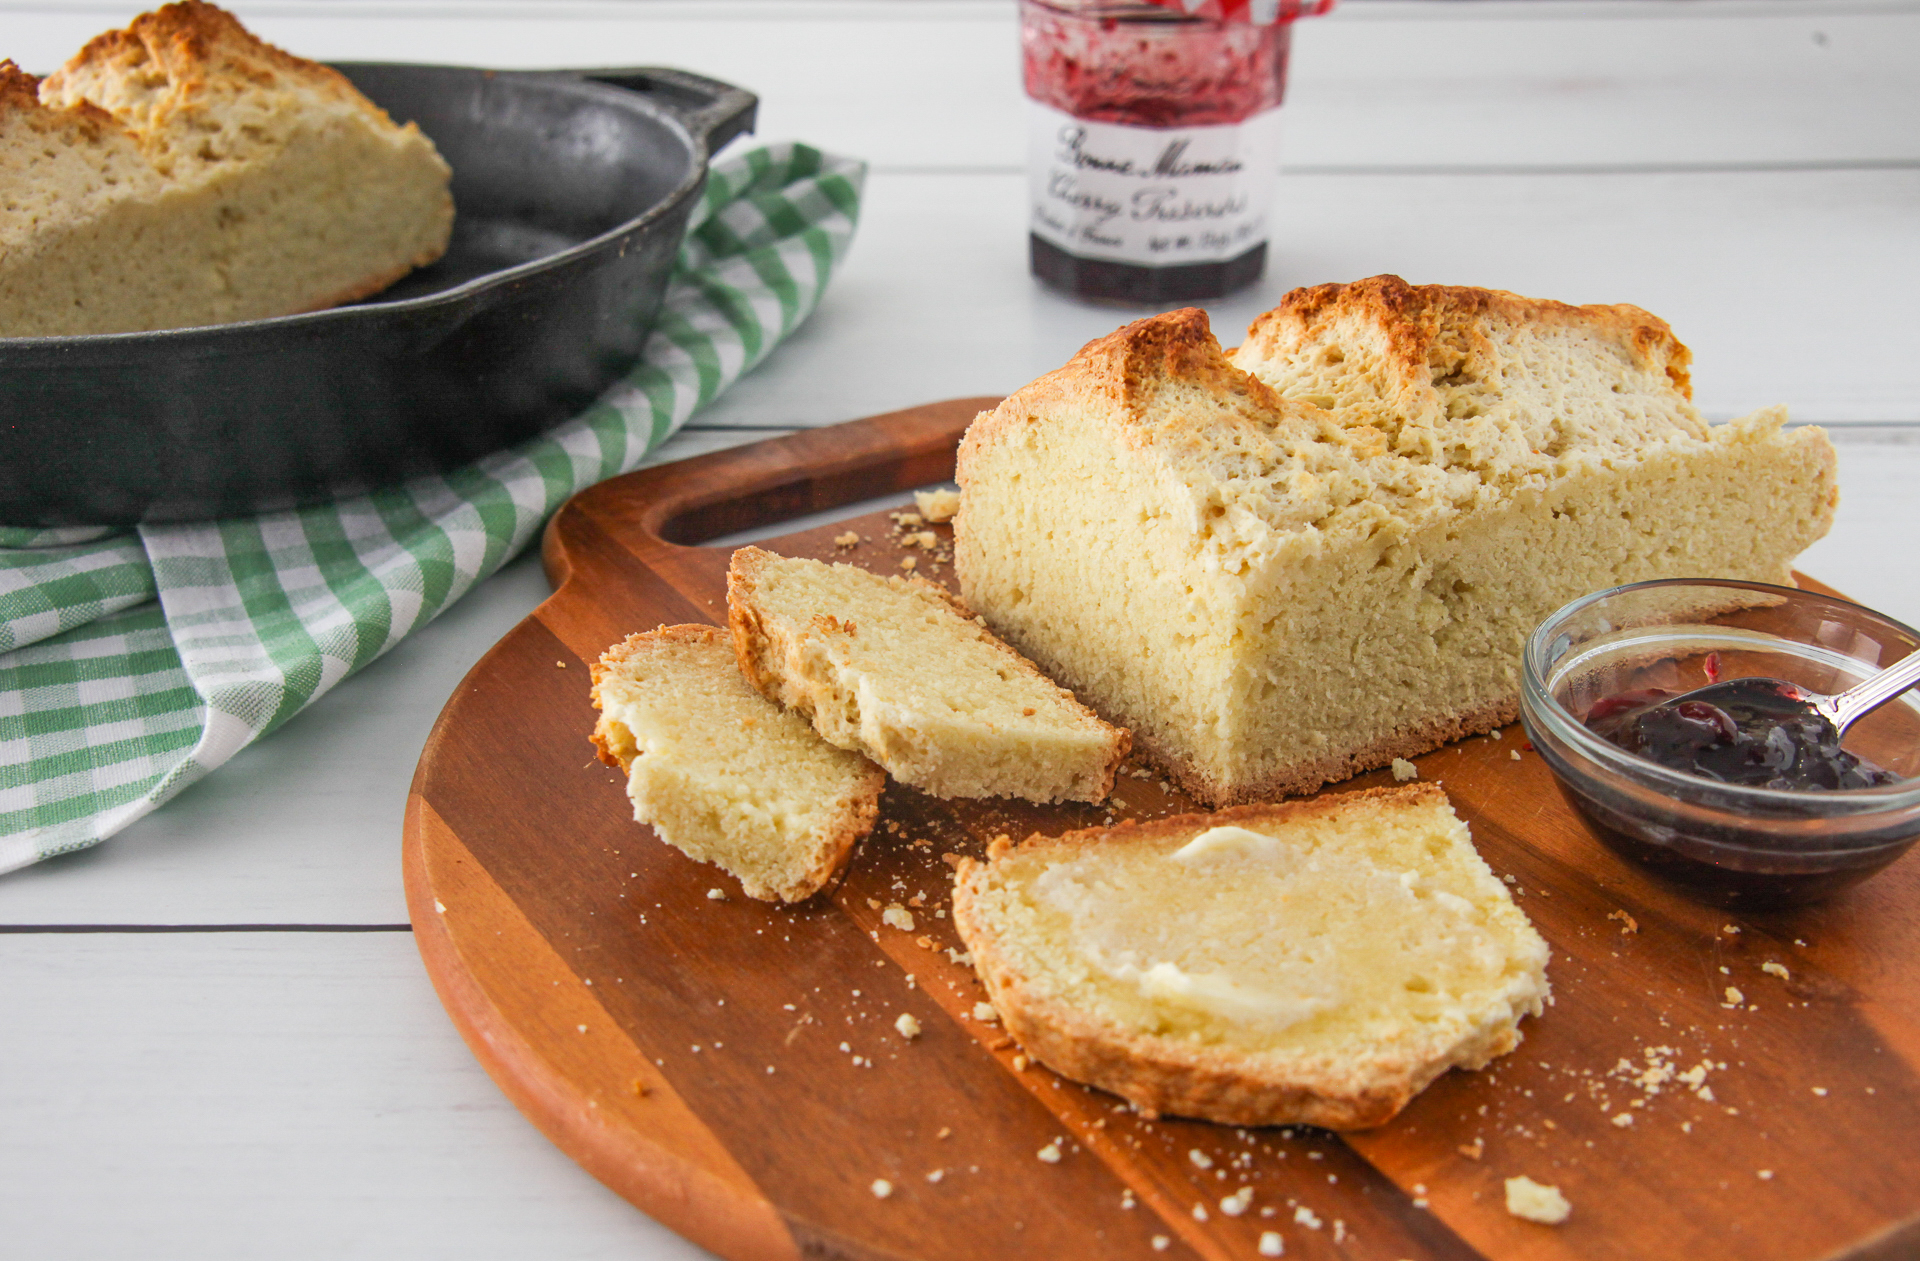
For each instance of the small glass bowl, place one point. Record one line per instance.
(1728, 845)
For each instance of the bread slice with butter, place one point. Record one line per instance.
(1315, 962)
(181, 172)
(1285, 567)
(721, 773)
(899, 670)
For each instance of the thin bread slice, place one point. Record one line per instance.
(722, 774)
(901, 671)
(1314, 962)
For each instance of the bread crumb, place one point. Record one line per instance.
(1200, 1159)
(1776, 969)
(934, 1175)
(937, 505)
(1200, 1213)
(1536, 1203)
(925, 539)
(1730, 929)
(1627, 923)
(1734, 997)
(1020, 1063)
(881, 1188)
(1514, 754)
(1765, 1175)
(1050, 1154)
(1161, 1243)
(909, 1027)
(1306, 1217)
(986, 1014)
(1623, 1119)
(908, 562)
(1821, 1091)
(1271, 1244)
(849, 539)
(1237, 1203)
(1474, 1150)
(1404, 770)
(897, 916)
(716, 895)
(946, 1131)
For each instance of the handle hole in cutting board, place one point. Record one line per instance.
(814, 520)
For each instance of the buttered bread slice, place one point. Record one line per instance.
(181, 172)
(898, 670)
(1315, 962)
(721, 773)
(1300, 563)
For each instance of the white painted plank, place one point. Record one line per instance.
(213, 1096)
(920, 84)
(1870, 555)
(1791, 287)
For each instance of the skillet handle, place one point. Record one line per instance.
(713, 111)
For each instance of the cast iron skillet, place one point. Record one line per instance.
(571, 191)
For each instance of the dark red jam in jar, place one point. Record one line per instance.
(1153, 147)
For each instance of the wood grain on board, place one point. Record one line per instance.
(734, 1069)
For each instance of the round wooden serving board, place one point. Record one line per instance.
(733, 1068)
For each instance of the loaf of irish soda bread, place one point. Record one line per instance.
(899, 670)
(1299, 563)
(1314, 962)
(723, 774)
(181, 172)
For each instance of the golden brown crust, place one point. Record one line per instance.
(190, 41)
(20, 97)
(1415, 317)
(18, 89)
(1123, 371)
(1182, 1078)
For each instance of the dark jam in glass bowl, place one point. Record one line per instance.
(1755, 740)
(1762, 736)
(1147, 69)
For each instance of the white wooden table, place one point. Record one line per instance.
(216, 1039)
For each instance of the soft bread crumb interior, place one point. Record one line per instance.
(724, 775)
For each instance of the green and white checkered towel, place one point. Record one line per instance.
(132, 662)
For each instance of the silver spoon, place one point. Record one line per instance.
(1841, 710)
(1755, 731)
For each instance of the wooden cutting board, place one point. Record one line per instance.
(734, 1070)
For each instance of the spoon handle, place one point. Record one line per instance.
(1875, 692)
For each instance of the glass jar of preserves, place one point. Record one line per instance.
(1153, 142)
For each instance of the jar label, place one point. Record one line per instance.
(1153, 196)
